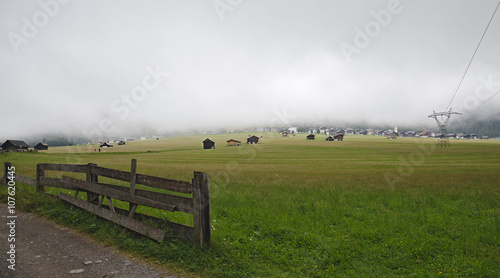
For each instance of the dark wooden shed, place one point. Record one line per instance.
(232, 142)
(253, 140)
(208, 144)
(310, 137)
(15, 144)
(339, 137)
(41, 147)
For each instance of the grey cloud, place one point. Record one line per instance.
(263, 56)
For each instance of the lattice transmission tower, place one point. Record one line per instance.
(442, 119)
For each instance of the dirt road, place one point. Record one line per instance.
(43, 249)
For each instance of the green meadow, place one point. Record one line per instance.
(288, 207)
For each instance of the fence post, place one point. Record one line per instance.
(133, 177)
(40, 173)
(6, 167)
(201, 212)
(91, 177)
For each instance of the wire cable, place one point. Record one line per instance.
(486, 101)
(472, 58)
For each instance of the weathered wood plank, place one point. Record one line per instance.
(156, 182)
(64, 167)
(178, 230)
(132, 224)
(116, 194)
(40, 173)
(91, 177)
(133, 171)
(183, 204)
(110, 204)
(26, 180)
(166, 184)
(55, 182)
(111, 173)
(5, 177)
(201, 209)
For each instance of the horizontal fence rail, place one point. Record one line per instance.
(198, 205)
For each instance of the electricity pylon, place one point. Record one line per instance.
(442, 119)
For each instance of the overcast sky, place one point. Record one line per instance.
(110, 67)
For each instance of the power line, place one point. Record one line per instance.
(472, 58)
(486, 101)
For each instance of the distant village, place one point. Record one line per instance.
(334, 134)
(389, 133)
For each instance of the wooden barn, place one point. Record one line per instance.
(15, 144)
(232, 142)
(310, 137)
(208, 144)
(253, 140)
(41, 147)
(106, 145)
(329, 138)
(339, 137)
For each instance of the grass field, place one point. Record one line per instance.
(288, 207)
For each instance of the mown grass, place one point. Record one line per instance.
(288, 207)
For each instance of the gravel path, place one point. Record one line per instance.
(44, 249)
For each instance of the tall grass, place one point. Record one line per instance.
(295, 208)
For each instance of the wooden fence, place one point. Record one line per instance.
(96, 192)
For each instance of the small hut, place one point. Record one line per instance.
(15, 144)
(208, 144)
(106, 145)
(339, 137)
(41, 147)
(329, 138)
(232, 142)
(310, 137)
(253, 140)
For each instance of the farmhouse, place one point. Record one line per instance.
(293, 130)
(232, 142)
(208, 144)
(253, 140)
(310, 137)
(106, 145)
(329, 138)
(339, 137)
(15, 144)
(470, 136)
(410, 133)
(41, 147)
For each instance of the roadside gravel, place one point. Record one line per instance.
(44, 249)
